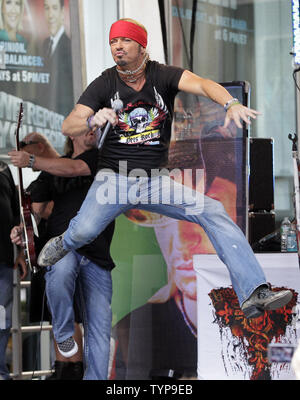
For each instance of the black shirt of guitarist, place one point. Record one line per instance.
(68, 194)
(9, 215)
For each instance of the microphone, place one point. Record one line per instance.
(117, 105)
(269, 236)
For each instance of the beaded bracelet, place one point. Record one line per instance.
(231, 103)
(88, 122)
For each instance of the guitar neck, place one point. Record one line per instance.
(20, 179)
(25, 209)
(20, 175)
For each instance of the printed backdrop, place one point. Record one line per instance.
(28, 73)
(232, 347)
(154, 300)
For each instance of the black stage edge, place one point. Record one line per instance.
(184, 389)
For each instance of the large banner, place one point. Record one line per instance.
(230, 347)
(35, 67)
(155, 300)
(155, 294)
(214, 38)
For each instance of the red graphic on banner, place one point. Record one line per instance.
(253, 335)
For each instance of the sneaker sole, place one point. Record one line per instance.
(43, 257)
(280, 302)
(253, 312)
(70, 353)
(45, 260)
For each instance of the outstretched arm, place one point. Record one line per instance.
(192, 83)
(65, 167)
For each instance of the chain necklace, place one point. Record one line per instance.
(133, 76)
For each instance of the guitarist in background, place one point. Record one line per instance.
(9, 216)
(66, 181)
(37, 144)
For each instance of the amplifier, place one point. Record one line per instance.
(260, 225)
(261, 176)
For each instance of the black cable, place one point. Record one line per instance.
(294, 77)
(183, 35)
(192, 38)
(189, 52)
(163, 28)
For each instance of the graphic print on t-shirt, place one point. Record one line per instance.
(141, 123)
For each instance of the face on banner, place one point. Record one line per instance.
(179, 241)
(54, 14)
(11, 14)
(35, 68)
(198, 142)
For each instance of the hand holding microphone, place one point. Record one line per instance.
(108, 116)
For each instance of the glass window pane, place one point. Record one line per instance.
(237, 40)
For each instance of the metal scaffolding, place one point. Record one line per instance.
(17, 341)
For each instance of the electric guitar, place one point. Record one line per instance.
(25, 209)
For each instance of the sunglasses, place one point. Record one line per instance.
(23, 144)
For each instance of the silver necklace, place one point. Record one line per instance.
(131, 73)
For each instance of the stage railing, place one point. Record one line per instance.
(17, 341)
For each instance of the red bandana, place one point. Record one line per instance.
(128, 30)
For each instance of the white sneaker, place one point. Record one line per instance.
(52, 252)
(68, 347)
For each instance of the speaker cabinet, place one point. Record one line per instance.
(260, 225)
(261, 177)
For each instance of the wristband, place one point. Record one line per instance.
(231, 103)
(88, 122)
(31, 161)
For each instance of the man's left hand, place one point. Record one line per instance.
(238, 113)
(19, 159)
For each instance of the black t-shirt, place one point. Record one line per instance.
(68, 194)
(142, 135)
(9, 214)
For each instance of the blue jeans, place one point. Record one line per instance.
(111, 195)
(227, 238)
(93, 295)
(6, 303)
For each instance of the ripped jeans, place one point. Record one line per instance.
(111, 195)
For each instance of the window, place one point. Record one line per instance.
(237, 40)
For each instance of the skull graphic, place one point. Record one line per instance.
(139, 119)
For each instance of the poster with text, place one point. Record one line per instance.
(35, 68)
(214, 38)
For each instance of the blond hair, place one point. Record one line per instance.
(20, 25)
(40, 138)
(69, 146)
(133, 21)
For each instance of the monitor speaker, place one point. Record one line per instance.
(261, 177)
(260, 225)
